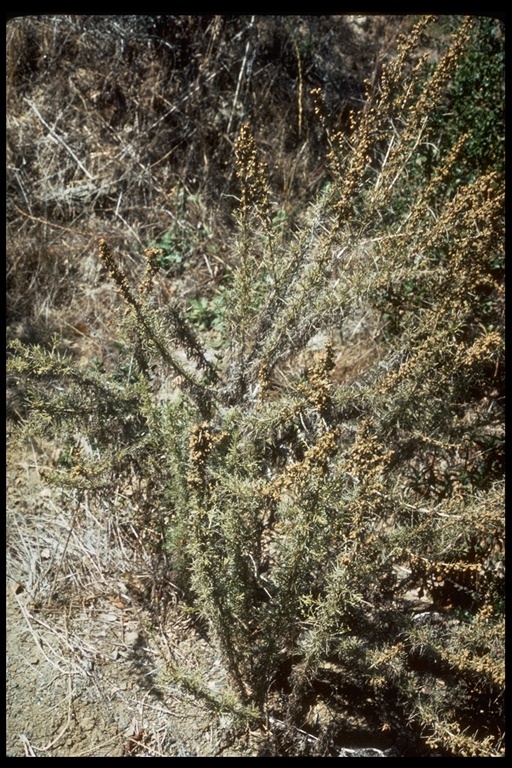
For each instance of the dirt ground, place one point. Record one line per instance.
(88, 675)
(103, 656)
(93, 648)
(96, 630)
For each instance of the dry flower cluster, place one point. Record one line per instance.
(302, 507)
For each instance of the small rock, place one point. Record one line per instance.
(132, 638)
(16, 588)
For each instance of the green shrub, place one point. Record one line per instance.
(294, 496)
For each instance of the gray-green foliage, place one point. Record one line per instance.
(288, 507)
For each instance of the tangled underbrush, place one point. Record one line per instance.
(301, 507)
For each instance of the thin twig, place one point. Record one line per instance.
(73, 230)
(29, 752)
(37, 640)
(60, 140)
(240, 76)
(59, 566)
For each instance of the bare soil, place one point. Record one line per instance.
(96, 625)
(88, 674)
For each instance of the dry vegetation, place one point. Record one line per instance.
(125, 126)
(255, 380)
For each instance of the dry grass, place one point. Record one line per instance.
(125, 126)
(122, 129)
(91, 611)
(123, 134)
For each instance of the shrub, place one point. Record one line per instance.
(293, 495)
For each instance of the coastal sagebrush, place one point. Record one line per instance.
(294, 497)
